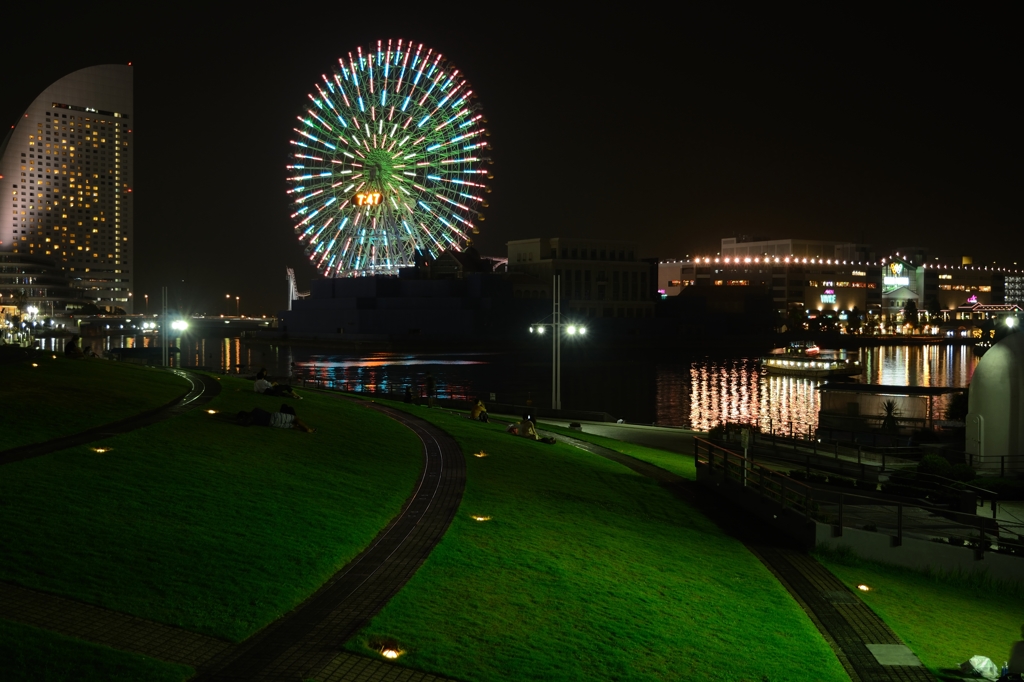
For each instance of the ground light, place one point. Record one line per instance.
(102, 450)
(480, 454)
(481, 518)
(211, 412)
(390, 653)
(34, 364)
(863, 588)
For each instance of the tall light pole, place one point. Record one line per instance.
(556, 344)
(238, 306)
(556, 325)
(146, 296)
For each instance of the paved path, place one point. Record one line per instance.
(307, 643)
(110, 628)
(863, 643)
(204, 388)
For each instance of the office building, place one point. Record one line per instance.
(66, 182)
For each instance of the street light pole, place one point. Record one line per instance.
(556, 344)
(238, 306)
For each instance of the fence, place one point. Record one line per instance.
(849, 510)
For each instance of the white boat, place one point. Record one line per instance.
(804, 358)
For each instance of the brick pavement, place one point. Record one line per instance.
(204, 388)
(307, 643)
(111, 628)
(846, 622)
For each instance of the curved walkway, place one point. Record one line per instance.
(860, 639)
(204, 389)
(307, 643)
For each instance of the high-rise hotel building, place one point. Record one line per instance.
(66, 182)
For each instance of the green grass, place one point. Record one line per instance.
(944, 619)
(589, 571)
(678, 464)
(27, 653)
(59, 397)
(202, 524)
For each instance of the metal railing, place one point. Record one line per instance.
(849, 510)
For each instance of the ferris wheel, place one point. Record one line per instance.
(389, 162)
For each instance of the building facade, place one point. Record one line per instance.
(66, 178)
(600, 278)
(884, 291)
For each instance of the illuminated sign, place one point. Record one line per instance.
(895, 277)
(972, 299)
(860, 273)
(829, 296)
(367, 199)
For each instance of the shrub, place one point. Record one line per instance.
(798, 475)
(934, 464)
(816, 478)
(717, 432)
(842, 481)
(867, 485)
(962, 472)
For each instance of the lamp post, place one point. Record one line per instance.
(238, 306)
(146, 296)
(557, 325)
(227, 304)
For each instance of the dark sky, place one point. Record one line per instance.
(673, 130)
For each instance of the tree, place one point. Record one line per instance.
(890, 412)
(910, 313)
(854, 320)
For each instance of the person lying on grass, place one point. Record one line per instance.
(281, 420)
(264, 387)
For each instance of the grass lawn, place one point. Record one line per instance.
(678, 464)
(27, 653)
(199, 523)
(589, 571)
(943, 620)
(59, 397)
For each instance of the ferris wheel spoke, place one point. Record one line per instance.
(386, 162)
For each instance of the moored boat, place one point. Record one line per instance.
(802, 358)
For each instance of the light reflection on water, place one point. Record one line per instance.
(691, 393)
(709, 391)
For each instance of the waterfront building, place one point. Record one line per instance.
(66, 179)
(600, 278)
(29, 282)
(794, 248)
(880, 289)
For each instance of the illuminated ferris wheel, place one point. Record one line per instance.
(389, 161)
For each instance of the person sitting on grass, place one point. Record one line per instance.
(264, 387)
(71, 348)
(281, 420)
(479, 412)
(528, 429)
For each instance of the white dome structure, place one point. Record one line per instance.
(995, 415)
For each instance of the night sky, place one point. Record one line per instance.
(673, 130)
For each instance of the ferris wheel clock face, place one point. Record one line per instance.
(389, 161)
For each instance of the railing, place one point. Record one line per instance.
(768, 484)
(1011, 461)
(806, 447)
(849, 510)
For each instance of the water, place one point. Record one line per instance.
(689, 392)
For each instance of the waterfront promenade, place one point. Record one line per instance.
(295, 644)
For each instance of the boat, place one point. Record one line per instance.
(804, 358)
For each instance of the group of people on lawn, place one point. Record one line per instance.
(284, 418)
